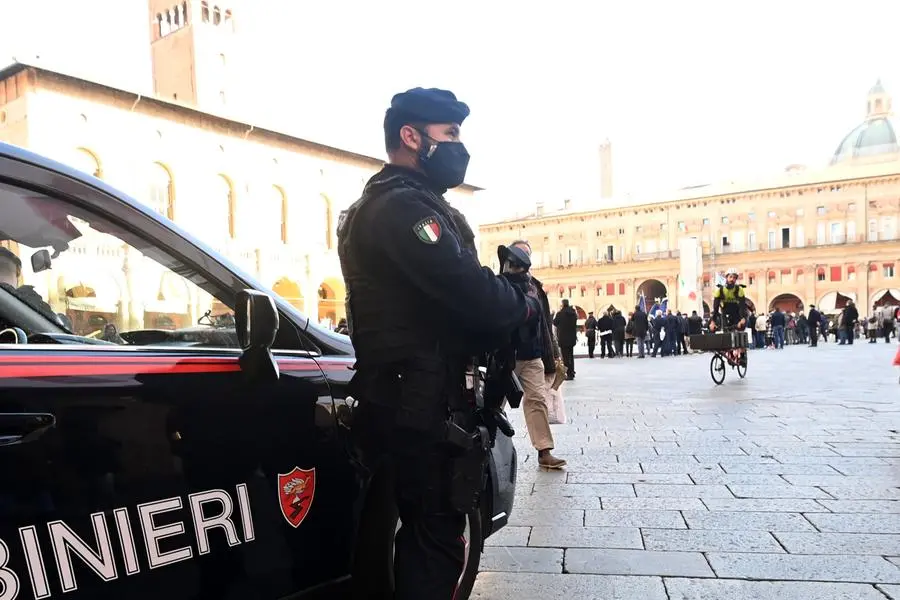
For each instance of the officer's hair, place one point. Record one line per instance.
(393, 123)
(521, 243)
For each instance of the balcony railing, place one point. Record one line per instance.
(662, 255)
(708, 251)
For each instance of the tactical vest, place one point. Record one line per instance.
(388, 319)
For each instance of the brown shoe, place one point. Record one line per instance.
(548, 461)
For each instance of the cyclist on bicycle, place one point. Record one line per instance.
(731, 301)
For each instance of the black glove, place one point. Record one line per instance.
(517, 280)
(534, 308)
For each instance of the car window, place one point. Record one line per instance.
(99, 282)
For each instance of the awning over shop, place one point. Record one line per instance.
(91, 292)
(888, 297)
(172, 296)
(835, 301)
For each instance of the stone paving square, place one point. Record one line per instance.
(781, 485)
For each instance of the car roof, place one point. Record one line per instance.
(334, 342)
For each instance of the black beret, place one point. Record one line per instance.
(430, 106)
(514, 255)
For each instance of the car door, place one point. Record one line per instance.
(136, 458)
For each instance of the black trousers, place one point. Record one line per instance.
(814, 337)
(429, 548)
(606, 346)
(619, 342)
(849, 331)
(568, 357)
(592, 343)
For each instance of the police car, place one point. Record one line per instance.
(207, 458)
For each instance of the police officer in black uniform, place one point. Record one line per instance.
(419, 305)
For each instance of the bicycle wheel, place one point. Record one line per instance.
(742, 365)
(717, 368)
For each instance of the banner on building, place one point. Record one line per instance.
(690, 296)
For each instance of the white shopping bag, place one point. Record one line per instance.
(556, 409)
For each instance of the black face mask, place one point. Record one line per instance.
(444, 163)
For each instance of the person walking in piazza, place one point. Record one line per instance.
(535, 356)
(590, 332)
(566, 323)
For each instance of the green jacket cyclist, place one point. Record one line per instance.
(732, 302)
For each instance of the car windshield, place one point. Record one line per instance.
(95, 280)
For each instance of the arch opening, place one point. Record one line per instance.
(222, 209)
(170, 306)
(161, 192)
(91, 299)
(331, 301)
(86, 161)
(654, 292)
(289, 290)
(787, 303)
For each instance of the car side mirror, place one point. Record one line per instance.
(256, 324)
(40, 261)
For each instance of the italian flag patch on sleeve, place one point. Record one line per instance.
(428, 230)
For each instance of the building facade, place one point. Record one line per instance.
(803, 237)
(265, 199)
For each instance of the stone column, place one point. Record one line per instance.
(863, 304)
(812, 284)
(814, 299)
(311, 301)
(131, 310)
(672, 292)
(763, 295)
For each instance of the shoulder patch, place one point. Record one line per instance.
(342, 218)
(428, 230)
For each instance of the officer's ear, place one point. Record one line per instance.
(412, 138)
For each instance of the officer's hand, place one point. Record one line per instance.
(741, 323)
(712, 325)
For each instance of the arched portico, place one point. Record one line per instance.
(787, 303)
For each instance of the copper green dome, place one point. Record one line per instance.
(871, 138)
(875, 136)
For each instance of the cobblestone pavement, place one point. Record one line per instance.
(782, 485)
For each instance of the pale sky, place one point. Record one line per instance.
(688, 92)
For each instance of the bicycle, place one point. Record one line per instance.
(728, 347)
(736, 357)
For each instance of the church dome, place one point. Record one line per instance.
(871, 138)
(876, 135)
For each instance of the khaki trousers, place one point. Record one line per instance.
(534, 404)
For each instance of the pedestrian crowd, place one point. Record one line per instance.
(667, 332)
